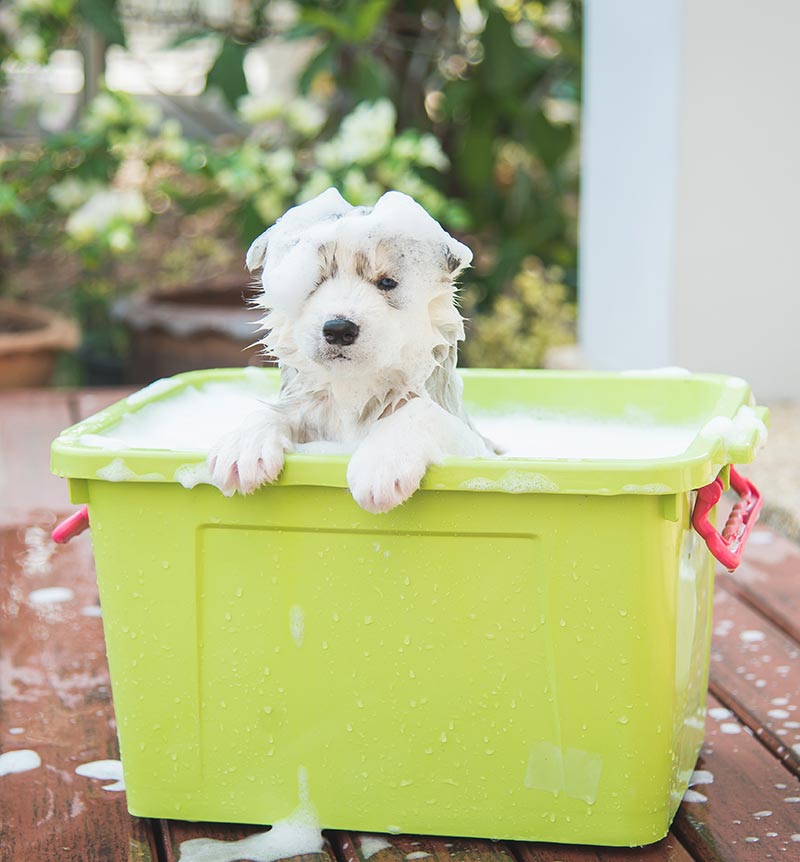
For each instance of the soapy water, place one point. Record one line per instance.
(21, 760)
(104, 770)
(298, 834)
(196, 417)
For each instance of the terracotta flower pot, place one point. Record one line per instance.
(31, 338)
(189, 329)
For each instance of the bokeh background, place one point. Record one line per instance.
(145, 143)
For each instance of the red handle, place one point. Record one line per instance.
(72, 526)
(729, 546)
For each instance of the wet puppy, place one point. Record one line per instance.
(361, 316)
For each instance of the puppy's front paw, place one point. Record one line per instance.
(246, 459)
(379, 482)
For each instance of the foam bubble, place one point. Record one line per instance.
(22, 760)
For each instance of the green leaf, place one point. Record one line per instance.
(102, 16)
(227, 73)
(367, 17)
(371, 79)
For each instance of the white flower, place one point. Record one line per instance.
(121, 239)
(71, 192)
(306, 117)
(279, 162)
(430, 154)
(327, 155)
(30, 47)
(104, 111)
(171, 142)
(259, 109)
(103, 209)
(405, 148)
(366, 133)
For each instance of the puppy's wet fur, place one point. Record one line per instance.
(361, 314)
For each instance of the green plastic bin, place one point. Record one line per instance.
(520, 651)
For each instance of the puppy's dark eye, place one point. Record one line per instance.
(387, 284)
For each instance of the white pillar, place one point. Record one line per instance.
(691, 179)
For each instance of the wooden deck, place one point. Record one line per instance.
(55, 698)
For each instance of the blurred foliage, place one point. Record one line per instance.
(470, 107)
(529, 318)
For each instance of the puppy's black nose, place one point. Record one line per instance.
(340, 331)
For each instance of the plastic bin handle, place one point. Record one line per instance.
(72, 526)
(728, 546)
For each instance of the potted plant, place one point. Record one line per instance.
(31, 339)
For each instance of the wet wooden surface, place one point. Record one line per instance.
(54, 699)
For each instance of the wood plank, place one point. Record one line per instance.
(55, 697)
(769, 579)
(29, 422)
(90, 401)
(667, 850)
(358, 847)
(751, 810)
(754, 671)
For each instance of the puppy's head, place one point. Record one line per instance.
(360, 292)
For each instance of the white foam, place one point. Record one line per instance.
(16, 730)
(297, 624)
(156, 388)
(191, 420)
(194, 418)
(298, 834)
(701, 776)
(550, 436)
(91, 611)
(116, 471)
(719, 713)
(744, 428)
(105, 770)
(51, 595)
(22, 760)
(372, 844)
(694, 796)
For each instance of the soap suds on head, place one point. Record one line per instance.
(22, 760)
(105, 770)
(298, 834)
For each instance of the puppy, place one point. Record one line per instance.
(361, 316)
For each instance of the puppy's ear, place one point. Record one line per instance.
(294, 225)
(257, 252)
(457, 256)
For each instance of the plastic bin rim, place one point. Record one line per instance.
(698, 465)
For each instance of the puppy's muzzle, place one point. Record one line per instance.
(340, 331)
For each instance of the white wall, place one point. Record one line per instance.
(691, 179)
